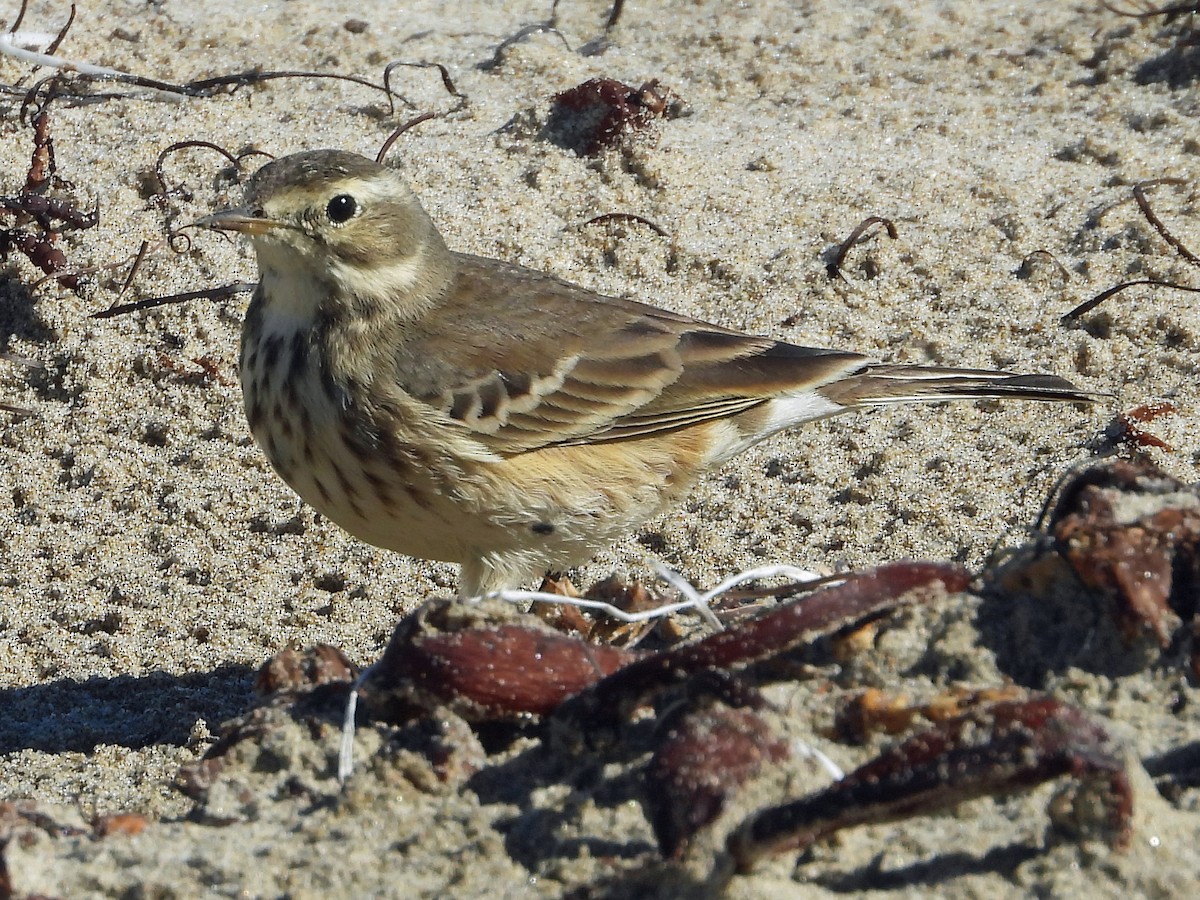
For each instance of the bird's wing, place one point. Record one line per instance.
(523, 360)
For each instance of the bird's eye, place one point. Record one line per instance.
(341, 208)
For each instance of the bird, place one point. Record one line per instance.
(459, 408)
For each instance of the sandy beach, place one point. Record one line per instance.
(151, 561)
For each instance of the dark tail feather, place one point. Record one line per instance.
(884, 385)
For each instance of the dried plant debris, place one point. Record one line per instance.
(996, 749)
(614, 14)
(1168, 13)
(34, 218)
(834, 267)
(708, 747)
(160, 190)
(875, 711)
(1139, 195)
(79, 82)
(483, 662)
(602, 113)
(605, 218)
(486, 663)
(395, 135)
(593, 47)
(1128, 430)
(1132, 532)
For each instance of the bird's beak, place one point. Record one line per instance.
(243, 221)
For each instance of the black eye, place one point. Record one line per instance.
(341, 208)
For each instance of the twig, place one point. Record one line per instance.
(613, 14)
(20, 17)
(442, 70)
(834, 268)
(234, 159)
(9, 46)
(218, 293)
(133, 269)
(1139, 194)
(1089, 305)
(527, 31)
(62, 35)
(1026, 267)
(416, 120)
(625, 217)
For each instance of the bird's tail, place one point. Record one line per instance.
(882, 385)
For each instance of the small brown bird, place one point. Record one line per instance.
(458, 408)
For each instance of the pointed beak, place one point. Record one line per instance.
(243, 221)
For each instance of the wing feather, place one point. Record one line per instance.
(550, 363)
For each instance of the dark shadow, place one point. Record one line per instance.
(74, 716)
(1178, 68)
(1175, 770)
(534, 834)
(18, 319)
(1037, 633)
(652, 880)
(942, 869)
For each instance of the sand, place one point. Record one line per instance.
(150, 561)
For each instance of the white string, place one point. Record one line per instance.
(693, 599)
(11, 45)
(30, 38)
(659, 612)
(345, 767)
(808, 751)
(15, 46)
(778, 570)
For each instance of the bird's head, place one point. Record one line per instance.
(342, 221)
